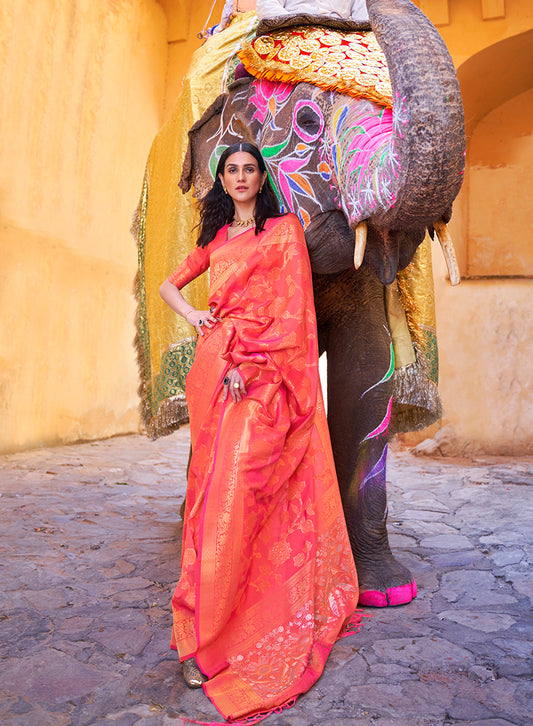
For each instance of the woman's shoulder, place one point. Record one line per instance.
(289, 219)
(292, 227)
(287, 233)
(219, 238)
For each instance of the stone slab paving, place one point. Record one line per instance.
(90, 539)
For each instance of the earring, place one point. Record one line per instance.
(224, 188)
(260, 189)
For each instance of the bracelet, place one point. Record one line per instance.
(187, 315)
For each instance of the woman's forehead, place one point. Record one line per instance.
(241, 158)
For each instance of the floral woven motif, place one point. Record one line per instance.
(351, 62)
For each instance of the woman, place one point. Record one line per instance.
(268, 581)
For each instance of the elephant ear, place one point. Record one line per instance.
(197, 164)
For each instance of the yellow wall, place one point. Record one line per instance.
(83, 94)
(86, 84)
(485, 326)
(485, 332)
(500, 190)
(183, 41)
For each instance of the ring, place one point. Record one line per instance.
(200, 323)
(225, 381)
(236, 385)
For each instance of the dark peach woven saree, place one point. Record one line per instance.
(268, 581)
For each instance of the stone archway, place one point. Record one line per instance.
(495, 204)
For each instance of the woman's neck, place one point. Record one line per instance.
(243, 211)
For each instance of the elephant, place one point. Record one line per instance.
(365, 208)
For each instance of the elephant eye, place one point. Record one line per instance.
(309, 120)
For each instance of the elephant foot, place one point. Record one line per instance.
(392, 596)
(386, 585)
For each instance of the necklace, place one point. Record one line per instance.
(243, 222)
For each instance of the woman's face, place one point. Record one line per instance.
(242, 177)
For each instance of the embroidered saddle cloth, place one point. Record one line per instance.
(351, 62)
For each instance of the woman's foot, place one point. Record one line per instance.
(192, 675)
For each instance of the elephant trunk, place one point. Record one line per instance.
(427, 146)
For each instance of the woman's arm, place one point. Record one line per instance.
(233, 382)
(175, 300)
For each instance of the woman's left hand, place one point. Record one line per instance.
(234, 383)
(201, 318)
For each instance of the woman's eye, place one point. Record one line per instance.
(235, 170)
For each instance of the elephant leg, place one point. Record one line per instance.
(360, 366)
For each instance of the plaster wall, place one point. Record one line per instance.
(485, 325)
(82, 97)
(185, 21)
(499, 190)
(469, 26)
(485, 332)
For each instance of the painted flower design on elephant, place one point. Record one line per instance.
(267, 99)
(373, 471)
(294, 181)
(290, 171)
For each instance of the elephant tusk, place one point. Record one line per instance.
(360, 244)
(448, 250)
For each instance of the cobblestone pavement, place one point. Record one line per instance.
(90, 555)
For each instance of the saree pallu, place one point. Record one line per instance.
(268, 580)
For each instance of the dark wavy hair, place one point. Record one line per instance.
(217, 208)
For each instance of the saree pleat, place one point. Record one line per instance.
(268, 580)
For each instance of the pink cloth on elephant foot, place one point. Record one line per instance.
(394, 596)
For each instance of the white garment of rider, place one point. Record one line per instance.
(232, 7)
(347, 9)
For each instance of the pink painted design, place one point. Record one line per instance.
(383, 426)
(360, 152)
(400, 595)
(375, 132)
(288, 178)
(267, 97)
